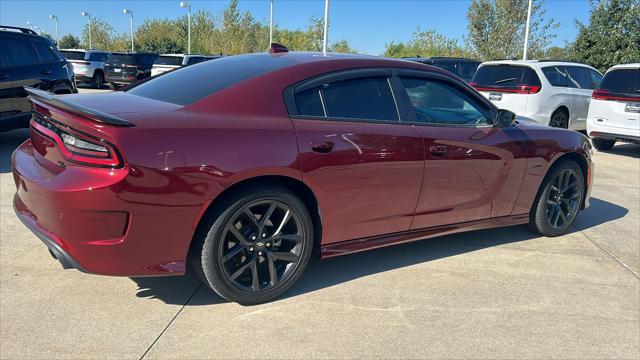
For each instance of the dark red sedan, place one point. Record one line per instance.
(244, 166)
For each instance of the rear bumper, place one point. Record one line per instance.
(56, 250)
(120, 79)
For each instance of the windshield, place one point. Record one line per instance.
(73, 55)
(503, 75)
(169, 60)
(622, 81)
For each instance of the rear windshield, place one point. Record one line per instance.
(622, 81)
(122, 59)
(505, 76)
(169, 60)
(73, 55)
(220, 74)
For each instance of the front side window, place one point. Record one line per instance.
(362, 98)
(437, 102)
(556, 75)
(578, 77)
(18, 52)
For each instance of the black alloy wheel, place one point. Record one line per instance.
(563, 199)
(559, 119)
(261, 245)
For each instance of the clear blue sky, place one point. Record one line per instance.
(367, 24)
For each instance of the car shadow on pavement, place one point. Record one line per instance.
(631, 150)
(330, 272)
(9, 141)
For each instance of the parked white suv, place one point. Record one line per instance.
(168, 62)
(88, 65)
(614, 112)
(550, 92)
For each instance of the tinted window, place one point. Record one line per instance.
(45, 52)
(309, 103)
(219, 74)
(579, 77)
(506, 75)
(622, 81)
(468, 69)
(121, 59)
(194, 60)
(595, 78)
(363, 98)
(73, 55)
(98, 57)
(437, 102)
(18, 52)
(556, 75)
(447, 65)
(169, 60)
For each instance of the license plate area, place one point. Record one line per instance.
(632, 108)
(117, 70)
(495, 96)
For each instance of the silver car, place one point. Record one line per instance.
(88, 65)
(168, 62)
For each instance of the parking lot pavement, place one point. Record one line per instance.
(502, 293)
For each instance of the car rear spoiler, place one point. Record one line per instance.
(62, 103)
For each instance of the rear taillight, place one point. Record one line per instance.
(78, 147)
(520, 89)
(602, 94)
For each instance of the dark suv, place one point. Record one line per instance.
(464, 68)
(27, 59)
(123, 68)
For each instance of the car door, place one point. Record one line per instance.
(580, 84)
(24, 68)
(364, 166)
(473, 170)
(36, 72)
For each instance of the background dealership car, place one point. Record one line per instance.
(550, 92)
(614, 112)
(168, 62)
(27, 59)
(464, 68)
(280, 154)
(123, 68)
(88, 65)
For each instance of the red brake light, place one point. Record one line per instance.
(520, 89)
(602, 94)
(77, 147)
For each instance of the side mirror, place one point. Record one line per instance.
(504, 118)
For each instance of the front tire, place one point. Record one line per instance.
(603, 144)
(255, 246)
(559, 199)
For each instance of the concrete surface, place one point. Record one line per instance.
(503, 293)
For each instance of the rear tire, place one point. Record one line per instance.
(603, 144)
(98, 80)
(255, 245)
(559, 199)
(559, 119)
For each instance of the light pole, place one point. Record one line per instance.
(55, 18)
(526, 31)
(84, 13)
(130, 13)
(326, 27)
(270, 22)
(184, 4)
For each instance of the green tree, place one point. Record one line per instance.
(496, 28)
(557, 53)
(612, 35)
(101, 35)
(342, 46)
(426, 43)
(69, 42)
(160, 36)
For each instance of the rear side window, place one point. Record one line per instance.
(194, 60)
(579, 77)
(169, 60)
(503, 75)
(309, 103)
(73, 55)
(18, 52)
(98, 57)
(45, 51)
(556, 75)
(622, 81)
(595, 78)
(362, 98)
(201, 80)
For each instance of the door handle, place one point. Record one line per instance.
(322, 147)
(46, 72)
(438, 150)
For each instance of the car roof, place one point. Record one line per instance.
(420, 58)
(535, 64)
(85, 50)
(625, 66)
